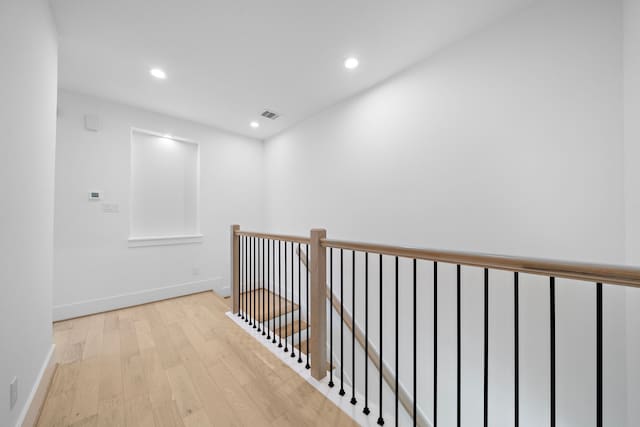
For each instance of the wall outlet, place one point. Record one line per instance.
(92, 122)
(13, 392)
(195, 271)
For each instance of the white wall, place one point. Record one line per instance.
(165, 177)
(632, 195)
(95, 269)
(632, 127)
(28, 80)
(510, 142)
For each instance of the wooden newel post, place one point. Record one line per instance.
(235, 269)
(318, 305)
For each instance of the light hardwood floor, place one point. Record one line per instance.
(179, 362)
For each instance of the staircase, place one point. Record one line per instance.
(383, 274)
(278, 318)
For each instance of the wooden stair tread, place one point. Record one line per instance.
(302, 347)
(290, 330)
(275, 308)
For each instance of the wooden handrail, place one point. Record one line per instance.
(374, 356)
(591, 272)
(282, 237)
(597, 273)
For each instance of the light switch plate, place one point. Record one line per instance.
(110, 208)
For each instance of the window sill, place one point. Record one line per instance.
(187, 239)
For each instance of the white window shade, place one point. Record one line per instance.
(164, 187)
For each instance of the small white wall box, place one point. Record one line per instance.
(91, 122)
(95, 195)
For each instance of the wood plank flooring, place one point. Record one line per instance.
(179, 362)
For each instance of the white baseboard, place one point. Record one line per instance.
(35, 400)
(99, 305)
(223, 291)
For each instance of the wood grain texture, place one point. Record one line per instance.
(281, 237)
(277, 305)
(178, 362)
(318, 303)
(234, 274)
(583, 271)
(610, 274)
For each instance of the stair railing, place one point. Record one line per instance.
(246, 270)
(373, 355)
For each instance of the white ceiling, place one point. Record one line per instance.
(229, 60)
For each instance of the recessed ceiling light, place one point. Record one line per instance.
(158, 73)
(351, 63)
(254, 125)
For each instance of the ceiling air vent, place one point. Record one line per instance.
(270, 114)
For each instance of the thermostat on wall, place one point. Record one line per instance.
(95, 195)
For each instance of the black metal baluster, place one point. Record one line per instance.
(261, 288)
(247, 282)
(268, 314)
(250, 281)
(486, 347)
(250, 270)
(299, 305)
(516, 348)
(239, 272)
(263, 314)
(331, 384)
(353, 329)
(256, 273)
(397, 339)
(308, 366)
(253, 283)
(273, 295)
(458, 344)
(250, 277)
(435, 344)
(342, 393)
(552, 320)
(280, 294)
(599, 412)
(415, 347)
(242, 280)
(241, 277)
(246, 278)
(380, 418)
(265, 285)
(247, 287)
(293, 301)
(286, 302)
(366, 410)
(257, 312)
